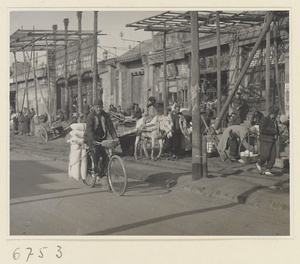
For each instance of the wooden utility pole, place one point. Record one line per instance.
(16, 82)
(218, 64)
(165, 92)
(55, 96)
(68, 103)
(197, 166)
(268, 88)
(282, 110)
(265, 28)
(79, 98)
(35, 87)
(95, 68)
(48, 81)
(26, 80)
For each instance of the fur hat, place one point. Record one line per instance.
(98, 102)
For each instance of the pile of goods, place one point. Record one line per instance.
(248, 156)
(78, 153)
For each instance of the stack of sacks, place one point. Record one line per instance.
(77, 157)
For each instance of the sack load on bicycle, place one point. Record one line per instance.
(90, 160)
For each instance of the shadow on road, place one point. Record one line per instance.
(122, 228)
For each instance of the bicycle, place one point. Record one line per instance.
(117, 176)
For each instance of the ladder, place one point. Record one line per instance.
(213, 135)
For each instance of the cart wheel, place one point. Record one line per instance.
(44, 134)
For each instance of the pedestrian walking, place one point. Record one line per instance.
(26, 123)
(32, 116)
(268, 133)
(176, 117)
(20, 122)
(14, 119)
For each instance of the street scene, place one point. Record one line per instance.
(171, 123)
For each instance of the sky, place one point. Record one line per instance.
(111, 23)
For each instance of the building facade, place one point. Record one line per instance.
(139, 73)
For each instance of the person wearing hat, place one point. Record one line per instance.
(98, 123)
(268, 132)
(157, 104)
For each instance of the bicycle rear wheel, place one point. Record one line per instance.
(117, 175)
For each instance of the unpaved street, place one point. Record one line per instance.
(44, 201)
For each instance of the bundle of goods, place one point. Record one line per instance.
(248, 156)
(78, 153)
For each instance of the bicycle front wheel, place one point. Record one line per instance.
(117, 175)
(90, 179)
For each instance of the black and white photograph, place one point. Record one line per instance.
(149, 123)
(143, 134)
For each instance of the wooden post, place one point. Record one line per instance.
(48, 82)
(165, 92)
(67, 94)
(204, 156)
(79, 101)
(16, 82)
(35, 88)
(95, 70)
(282, 110)
(54, 95)
(26, 82)
(197, 168)
(268, 88)
(218, 64)
(265, 28)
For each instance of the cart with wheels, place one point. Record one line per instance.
(55, 130)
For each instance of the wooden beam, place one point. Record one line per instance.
(35, 88)
(197, 164)
(16, 82)
(165, 92)
(269, 18)
(282, 110)
(79, 80)
(218, 64)
(267, 73)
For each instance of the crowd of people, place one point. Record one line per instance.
(266, 129)
(23, 122)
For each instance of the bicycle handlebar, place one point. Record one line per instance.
(107, 143)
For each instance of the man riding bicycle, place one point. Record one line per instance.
(98, 122)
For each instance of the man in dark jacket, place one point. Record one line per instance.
(240, 108)
(268, 131)
(97, 124)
